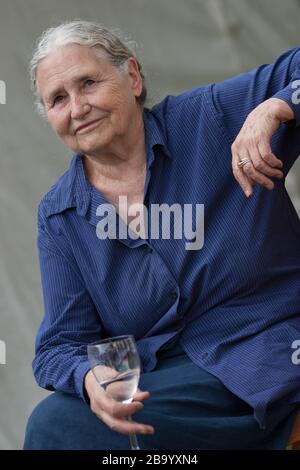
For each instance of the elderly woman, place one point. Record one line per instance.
(214, 322)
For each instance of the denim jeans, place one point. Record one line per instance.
(189, 409)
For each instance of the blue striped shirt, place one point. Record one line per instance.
(234, 304)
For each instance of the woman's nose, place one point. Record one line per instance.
(79, 108)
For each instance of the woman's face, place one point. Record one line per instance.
(79, 88)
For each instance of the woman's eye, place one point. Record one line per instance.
(57, 99)
(89, 82)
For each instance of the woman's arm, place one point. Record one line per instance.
(252, 106)
(70, 321)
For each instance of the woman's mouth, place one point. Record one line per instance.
(84, 128)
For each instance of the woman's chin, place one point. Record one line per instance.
(89, 147)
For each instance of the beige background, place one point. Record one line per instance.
(183, 43)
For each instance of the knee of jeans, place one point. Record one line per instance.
(62, 422)
(38, 424)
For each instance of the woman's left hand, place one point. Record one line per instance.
(253, 161)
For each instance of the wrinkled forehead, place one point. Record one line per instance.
(68, 64)
(72, 55)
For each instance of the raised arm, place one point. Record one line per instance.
(253, 105)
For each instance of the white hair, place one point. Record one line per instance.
(83, 33)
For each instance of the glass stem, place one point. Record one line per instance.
(133, 439)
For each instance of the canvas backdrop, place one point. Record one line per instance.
(182, 44)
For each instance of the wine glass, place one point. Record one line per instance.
(116, 366)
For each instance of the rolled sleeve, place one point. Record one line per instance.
(79, 376)
(290, 90)
(236, 97)
(291, 95)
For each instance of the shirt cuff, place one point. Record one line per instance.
(79, 376)
(291, 95)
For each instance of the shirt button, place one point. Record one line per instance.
(149, 248)
(204, 355)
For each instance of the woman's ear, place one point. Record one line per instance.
(135, 76)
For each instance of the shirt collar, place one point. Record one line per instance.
(73, 190)
(154, 136)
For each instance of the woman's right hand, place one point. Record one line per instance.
(114, 414)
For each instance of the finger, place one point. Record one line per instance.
(114, 408)
(126, 427)
(249, 170)
(141, 395)
(261, 166)
(243, 180)
(268, 156)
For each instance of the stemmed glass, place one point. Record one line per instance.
(116, 366)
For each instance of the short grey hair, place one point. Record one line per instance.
(83, 33)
